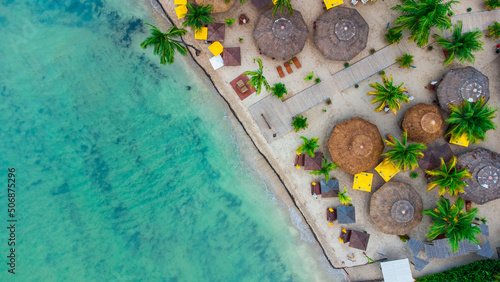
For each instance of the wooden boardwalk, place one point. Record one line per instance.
(274, 116)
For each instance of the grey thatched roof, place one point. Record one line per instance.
(341, 33)
(346, 214)
(462, 84)
(415, 246)
(281, 36)
(330, 188)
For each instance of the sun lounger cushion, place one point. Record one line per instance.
(297, 63)
(288, 68)
(280, 72)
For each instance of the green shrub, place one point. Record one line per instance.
(414, 175)
(482, 270)
(382, 72)
(229, 22)
(318, 80)
(346, 65)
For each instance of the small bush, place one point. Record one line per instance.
(229, 22)
(240, 39)
(414, 175)
(317, 80)
(372, 51)
(309, 76)
(356, 85)
(324, 111)
(429, 48)
(346, 65)
(328, 101)
(382, 72)
(404, 238)
(299, 122)
(482, 270)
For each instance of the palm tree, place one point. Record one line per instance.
(165, 45)
(404, 156)
(258, 78)
(420, 16)
(344, 199)
(282, 4)
(460, 45)
(492, 4)
(448, 177)
(471, 118)
(494, 30)
(394, 34)
(309, 146)
(198, 16)
(405, 61)
(299, 122)
(325, 169)
(453, 222)
(388, 94)
(279, 89)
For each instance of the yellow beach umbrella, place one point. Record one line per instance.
(461, 140)
(180, 2)
(332, 3)
(216, 48)
(387, 170)
(201, 33)
(363, 181)
(181, 11)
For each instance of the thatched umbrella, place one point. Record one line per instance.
(216, 32)
(219, 5)
(355, 145)
(484, 166)
(396, 208)
(232, 56)
(432, 158)
(281, 36)
(462, 84)
(341, 33)
(424, 123)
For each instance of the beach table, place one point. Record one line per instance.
(180, 2)
(363, 181)
(181, 11)
(461, 141)
(201, 33)
(332, 3)
(216, 48)
(387, 170)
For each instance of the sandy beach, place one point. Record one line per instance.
(275, 160)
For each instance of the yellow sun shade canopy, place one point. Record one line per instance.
(332, 3)
(387, 170)
(363, 181)
(181, 11)
(461, 141)
(216, 48)
(201, 33)
(180, 2)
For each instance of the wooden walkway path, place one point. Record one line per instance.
(274, 116)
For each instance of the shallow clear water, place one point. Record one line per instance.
(127, 170)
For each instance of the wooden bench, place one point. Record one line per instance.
(296, 62)
(280, 72)
(288, 68)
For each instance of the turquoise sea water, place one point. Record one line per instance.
(127, 170)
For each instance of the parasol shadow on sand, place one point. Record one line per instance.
(396, 208)
(219, 5)
(424, 123)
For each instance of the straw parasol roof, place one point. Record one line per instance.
(219, 5)
(424, 123)
(484, 166)
(232, 56)
(396, 208)
(216, 32)
(355, 145)
(432, 158)
(281, 36)
(359, 240)
(341, 33)
(462, 84)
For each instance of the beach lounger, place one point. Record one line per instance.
(364, 1)
(331, 215)
(296, 62)
(288, 68)
(316, 189)
(354, 2)
(280, 72)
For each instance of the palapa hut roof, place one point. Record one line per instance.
(484, 166)
(396, 208)
(341, 33)
(232, 56)
(281, 36)
(424, 123)
(216, 32)
(346, 214)
(259, 4)
(355, 145)
(313, 163)
(219, 5)
(432, 158)
(462, 84)
(329, 189)
(359, 240)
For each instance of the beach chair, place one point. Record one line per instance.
(241, 86)
(354, 2)
(331, 215)
(296, 62)
(280, 72)
(288, 68)
(364, 1)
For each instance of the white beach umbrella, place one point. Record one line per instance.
(217, 62)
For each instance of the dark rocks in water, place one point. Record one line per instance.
(188, 88)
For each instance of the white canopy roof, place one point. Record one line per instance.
(217, 62)
(397, 271)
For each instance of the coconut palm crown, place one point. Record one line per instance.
(325, 169)
(420, 16)
(257, 78)
(388, 94)
(448, 177)
(279, 90)
(453, 222)
(405, 156)
(460, 46)
(492, 4)
(405, 61)
(494, 30)
(394, 35)
(198, 16)
(344, 199)
(164, 44)
(471, 118)
(299, 122)
(309, 146)
(282, 4)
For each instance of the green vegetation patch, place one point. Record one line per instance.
(483, 270)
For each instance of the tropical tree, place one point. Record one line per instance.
(460, 45)
(492, 4)
(257, 78)
(453, 222)
(344, 199)
(241, 1)
(405, 156)
(494, 30)
(198, 16)
(309, 146)
(279, 89)
(394, 34)
(325, 169)
(420, 16)
(164, 44)
(405, 61)
(388, 94)
(299, 122)
(282, 4)
(473, 119)
(448, 177)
